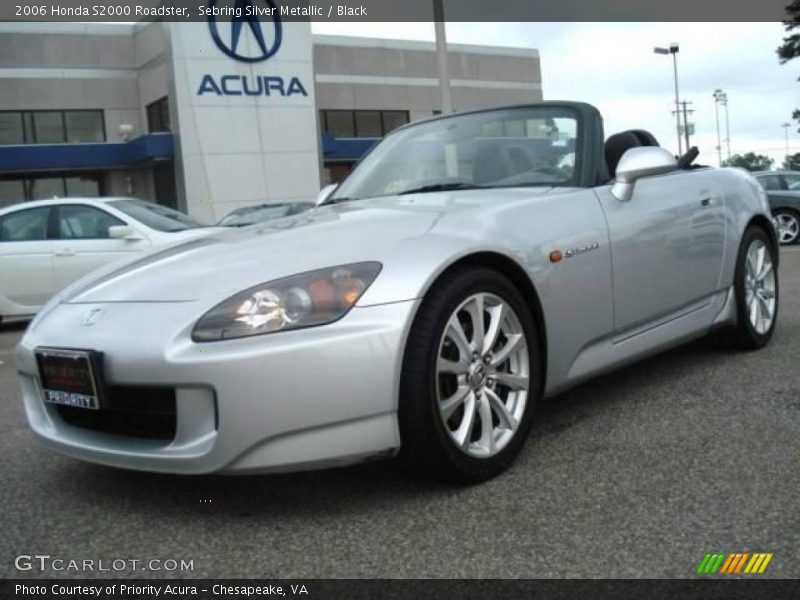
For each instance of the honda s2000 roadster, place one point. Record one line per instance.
(470, 265)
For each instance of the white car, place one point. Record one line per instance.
(48, 244)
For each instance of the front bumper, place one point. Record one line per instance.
(310, 398)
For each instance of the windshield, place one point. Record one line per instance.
(155, 216)
(256, 214)
(532, 145)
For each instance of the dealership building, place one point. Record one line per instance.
(211, 116)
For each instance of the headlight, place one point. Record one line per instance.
(305, 300)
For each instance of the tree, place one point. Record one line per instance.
(791, 43)
(750, 161)
(792, 162)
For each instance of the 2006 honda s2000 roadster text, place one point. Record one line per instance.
(470, 265)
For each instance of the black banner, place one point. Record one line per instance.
(399, 589)
(387, 11)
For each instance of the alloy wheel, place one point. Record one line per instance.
(759, 286)
(788, 227)
(482, 375)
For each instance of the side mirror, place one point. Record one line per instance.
(325, 192)
(123, 232)
(640, 162)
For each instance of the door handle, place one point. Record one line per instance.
(65, 252)
(706, 202)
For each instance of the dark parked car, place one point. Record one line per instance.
(250, 215)
(783, 191)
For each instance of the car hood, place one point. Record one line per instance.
(228, 261)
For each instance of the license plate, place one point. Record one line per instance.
(70, 377)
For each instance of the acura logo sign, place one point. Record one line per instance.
(226, 21)
(227, 35)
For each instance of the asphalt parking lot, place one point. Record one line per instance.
(637, 474)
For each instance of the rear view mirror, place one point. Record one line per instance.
(637, 163)
(123, 232)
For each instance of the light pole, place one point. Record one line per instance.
(673, 50)
(716, 94)
(727, 125)
(721, 97)
(441, 56)
(786, 134)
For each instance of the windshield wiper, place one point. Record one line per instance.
(442, 187)
(329, 200)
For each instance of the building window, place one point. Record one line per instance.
(84, 126)
(51, 126)
(48, 127)
(158, 116)
(27, 123)
(392, 119)
(12, 191)
(335, 172)
(165, 186)
(16, 188)
(340, 123)
(11, 129)
(85, 187)
(45, 188)
(362, 123)
(368, 123)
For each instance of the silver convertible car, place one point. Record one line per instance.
(470, 265)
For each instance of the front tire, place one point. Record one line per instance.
(470, 378)
(756, 290)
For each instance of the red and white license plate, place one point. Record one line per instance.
(70, 377)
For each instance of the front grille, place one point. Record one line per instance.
(135, 411)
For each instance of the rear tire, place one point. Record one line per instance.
(468, 384)
(756, 290)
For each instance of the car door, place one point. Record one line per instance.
(26, 258)
(83, 242)
(667, 245)
(791, 183)
(771, 183)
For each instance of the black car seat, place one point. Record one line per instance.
(490, 164)
(684, 162)
(645, 137)
(617, 145)
(499, 160)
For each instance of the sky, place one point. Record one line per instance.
(613, 66)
